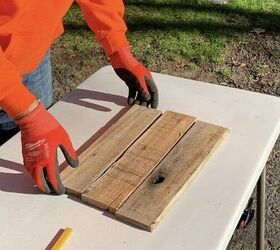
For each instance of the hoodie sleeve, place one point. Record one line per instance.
(105, 18)
(14, 96)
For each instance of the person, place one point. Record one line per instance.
(27, 30)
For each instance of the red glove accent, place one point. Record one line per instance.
(142, 89)
(41, 135)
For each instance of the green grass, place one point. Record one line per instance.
(225, 71)
(181, 30)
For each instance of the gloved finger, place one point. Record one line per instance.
(141, 87)
(51, 173)
(144, 92)
(69, 152)
(139, 99)
(154, 92)
(139, 72)
(40, 179)
(47, 182)
(145, 104)
(53, 177)
(131, 95)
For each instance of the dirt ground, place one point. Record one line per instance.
(253, 65)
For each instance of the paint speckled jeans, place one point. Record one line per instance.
(39, 82)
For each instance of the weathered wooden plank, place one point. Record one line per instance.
(147, 206)
(117, 184)
(108, 148)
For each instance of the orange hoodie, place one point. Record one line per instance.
(27, 30)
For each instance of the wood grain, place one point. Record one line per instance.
(147, 206)
(108, 148)
(117, 184)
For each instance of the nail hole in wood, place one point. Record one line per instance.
(144, 147)
(158, 179)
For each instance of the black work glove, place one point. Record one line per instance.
(141, 86)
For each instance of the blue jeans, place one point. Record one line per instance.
(39, 82)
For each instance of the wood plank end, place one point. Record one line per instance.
(72, 192)
(138, 224)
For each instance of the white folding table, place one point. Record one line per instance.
(30, 219)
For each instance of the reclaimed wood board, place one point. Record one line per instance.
(117, 184)
(155, 196)
(107, 149)
(141, 165)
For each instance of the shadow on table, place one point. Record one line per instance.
(77, 97)
(95, 136)
(55, 239)
(145, 20)
(21, 182)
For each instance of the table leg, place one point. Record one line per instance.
(260, 211)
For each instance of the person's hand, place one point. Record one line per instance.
(41, 135)
(141, 86)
